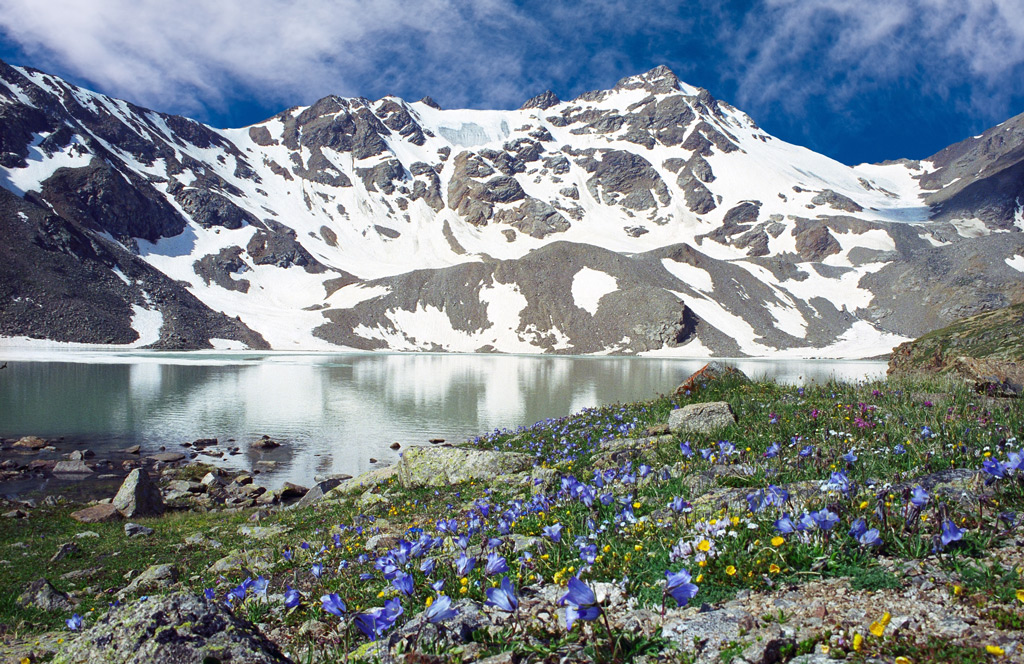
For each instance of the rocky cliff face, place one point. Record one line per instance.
(650, 218)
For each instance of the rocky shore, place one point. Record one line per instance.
(732, 521)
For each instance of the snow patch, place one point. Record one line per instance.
(691, 275)
(147, 322)
(1016, 262)
(788, 320)
(353, 294)
(589, 286)
(227, 344)
(121, 275)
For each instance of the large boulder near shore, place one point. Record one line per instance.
(138, 496)
(174, 629)
(701, 417)
(442, 466)
(710, 372)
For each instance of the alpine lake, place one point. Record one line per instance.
(331, 413)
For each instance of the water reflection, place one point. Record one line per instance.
(333, 412)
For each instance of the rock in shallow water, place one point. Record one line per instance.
(175, 629)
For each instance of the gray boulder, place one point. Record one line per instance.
(138, 496)
(42, 595)
(76, 467)
(704, 417)
(442, 466)
(175, 629)
(317, 493)
(135, 530)
(155, 576)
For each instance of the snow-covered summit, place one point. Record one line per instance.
(353, 223)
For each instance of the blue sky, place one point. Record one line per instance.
(858, 80)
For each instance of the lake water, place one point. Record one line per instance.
(332, 412)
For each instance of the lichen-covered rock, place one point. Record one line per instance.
(363, 482)
(138, 496)
(256, 561)
(42, 595)
(441, 466)
(176, 629)
(155, 576)
(701, 417)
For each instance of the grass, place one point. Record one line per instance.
(882, 436)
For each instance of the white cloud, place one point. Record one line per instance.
(788, 51)
(193, 53)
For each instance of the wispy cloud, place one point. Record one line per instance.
(813, 71)
(193, 54)
(966, 52)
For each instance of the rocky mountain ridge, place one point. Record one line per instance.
(650, 218)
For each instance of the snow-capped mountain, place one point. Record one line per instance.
(650, 218)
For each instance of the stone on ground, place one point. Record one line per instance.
(443, 466)
(701, 417)
(155, 577)
(138, 496)
(175, 629)
(42, 595)
(97, 514)
(135, 530)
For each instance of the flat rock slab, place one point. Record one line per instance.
(174, 629)
(256, 561)
(443, 466)
(97, 514)
(77, 467)
(262, 532)
(155, 576)
(31, 443)
(365, 481)
(168, 457)
(706, 417)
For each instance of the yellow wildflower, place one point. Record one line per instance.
(774, 569)
(730, 570)
(864, 504)
(638, 547)
(700, 577)
(704, 546)
(1020, 595)
(858, 642)
(903, 660)
(778, 540)
(607, 548)
(430, 600)
(994, 650)
(636, 505)
(957, 590)
(878, 627)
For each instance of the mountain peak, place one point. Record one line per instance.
(544, 100)
(660, 80)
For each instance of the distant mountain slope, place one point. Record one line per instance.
(650, 218)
